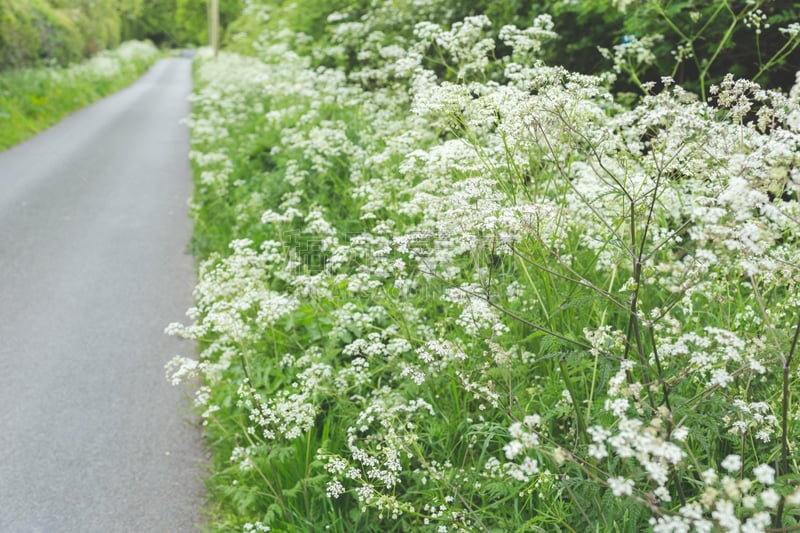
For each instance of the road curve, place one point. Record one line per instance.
(93, 266)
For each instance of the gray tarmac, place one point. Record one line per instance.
(93, 265)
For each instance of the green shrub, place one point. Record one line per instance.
(97, 20)
(59, 32)
(64, 44)
(22, 27)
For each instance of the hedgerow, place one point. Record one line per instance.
(57, 32)
(36, 98)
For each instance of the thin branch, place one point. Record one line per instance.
(783, 467)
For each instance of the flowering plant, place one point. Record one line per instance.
(449, 291)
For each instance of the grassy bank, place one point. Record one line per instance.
(33, 99)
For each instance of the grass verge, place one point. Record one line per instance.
(31, 100)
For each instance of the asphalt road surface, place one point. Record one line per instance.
(93, 266)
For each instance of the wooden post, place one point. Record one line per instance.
(214, 26)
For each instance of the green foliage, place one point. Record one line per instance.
(33, 99)
(191, 19)
(154, 20)
(699, 41)
(704, 40)
(129, 12)
(34, 32)
(31, 31)
(98, 22)
(55, 32)
(64, 43)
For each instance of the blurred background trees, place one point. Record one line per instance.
(695, 41)
(59, 32)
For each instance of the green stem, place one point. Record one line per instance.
(571, 389)
(720, 46)
(788, 47)
(783, 467)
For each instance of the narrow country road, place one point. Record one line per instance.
(93, 265)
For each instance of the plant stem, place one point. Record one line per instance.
(664, 386)
(783, 467)
(571, 389)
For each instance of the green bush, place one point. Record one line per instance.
(97, 20)
(34, 32)
(191, 19)
(24, 28)
(64, 44)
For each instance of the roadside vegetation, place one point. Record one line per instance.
(36, 33)
(448, 284)
(33, 99)
(59, 55)
(57, 32)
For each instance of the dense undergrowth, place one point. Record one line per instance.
(37, 33)
(55, 32)
(447, 290)
(33, 99)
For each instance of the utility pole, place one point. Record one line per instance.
(213, 25)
